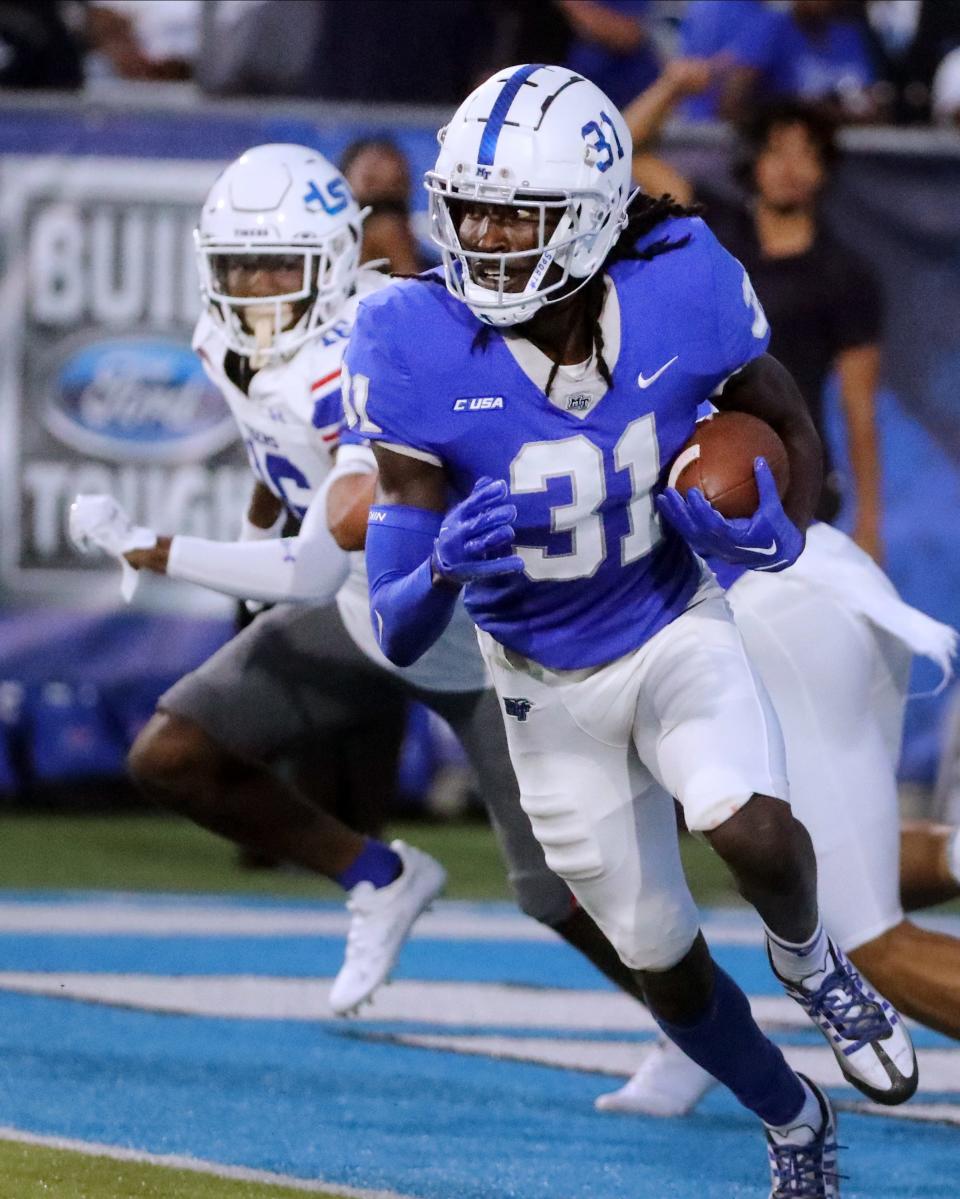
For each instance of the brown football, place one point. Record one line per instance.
(719, 458)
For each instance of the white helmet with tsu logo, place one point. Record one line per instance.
(541, 138)
(280, 216)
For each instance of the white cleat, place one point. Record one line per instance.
(866, 1033)
(667, 1083)
(381, 919)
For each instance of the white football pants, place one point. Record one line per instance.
(599, 752)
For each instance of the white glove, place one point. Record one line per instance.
(97, 522)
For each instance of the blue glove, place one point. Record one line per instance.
(475, 538)
(768, 540)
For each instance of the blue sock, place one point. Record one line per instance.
(727, 1042)
(376, 863)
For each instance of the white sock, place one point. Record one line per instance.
(953, 854)
(797, 963)
(806, 1124)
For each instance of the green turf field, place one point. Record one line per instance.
(34, 1172)
(158, 853)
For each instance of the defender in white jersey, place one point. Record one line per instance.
(278, 249)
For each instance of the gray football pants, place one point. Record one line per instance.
(295, 673)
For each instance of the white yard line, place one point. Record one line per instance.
(173, 916)
(921, 1113)
(939, 1068)
(181, 916)
(418, 1001)
(176, 1161)
(119, 918)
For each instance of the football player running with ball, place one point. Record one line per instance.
(523, 403)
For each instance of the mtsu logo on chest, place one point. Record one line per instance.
(517, 707)
(580, 402)
(477, 403)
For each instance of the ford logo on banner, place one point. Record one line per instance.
(138, 399)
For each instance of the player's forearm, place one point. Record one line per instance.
(766, 389)
(309, 568)
(865, 467)
(646, 114)
(859, 370)
(292, 569)
(409, 607)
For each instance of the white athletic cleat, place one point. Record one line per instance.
(381, 919)
(804, 1166)
(667, 1083)
(865, 1032)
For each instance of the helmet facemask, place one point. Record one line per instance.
(587, 227)
(270, 327)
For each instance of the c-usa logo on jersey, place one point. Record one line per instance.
(477, 403)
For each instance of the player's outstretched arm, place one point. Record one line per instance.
(766, 389)
(419, 554)
(309, 568)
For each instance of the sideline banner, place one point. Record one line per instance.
(101, 391)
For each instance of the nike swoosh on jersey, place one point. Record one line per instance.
(645, 383)
(756, 549)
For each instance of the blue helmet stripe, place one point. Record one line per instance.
(498, 114)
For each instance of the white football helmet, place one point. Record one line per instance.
(282, 204)
(545, 138)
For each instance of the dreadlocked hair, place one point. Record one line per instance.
(644, 214)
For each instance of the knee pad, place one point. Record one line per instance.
(569, 841)
(657, 943)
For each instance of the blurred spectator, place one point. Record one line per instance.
(912, 37)
(946, 90)
(823, 302)
(708, 30)
(524, 33)
(414, 52)
(938, 33)
(812, 51)
(258, 47)
(145, 39)
(39, 44)
(379, 177)
(612, 45)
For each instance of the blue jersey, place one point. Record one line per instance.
(601, 574)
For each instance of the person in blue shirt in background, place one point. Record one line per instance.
(579, 329)
(613, 46)
(811, 51)
(708, 30)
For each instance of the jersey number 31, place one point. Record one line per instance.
(581, 461)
